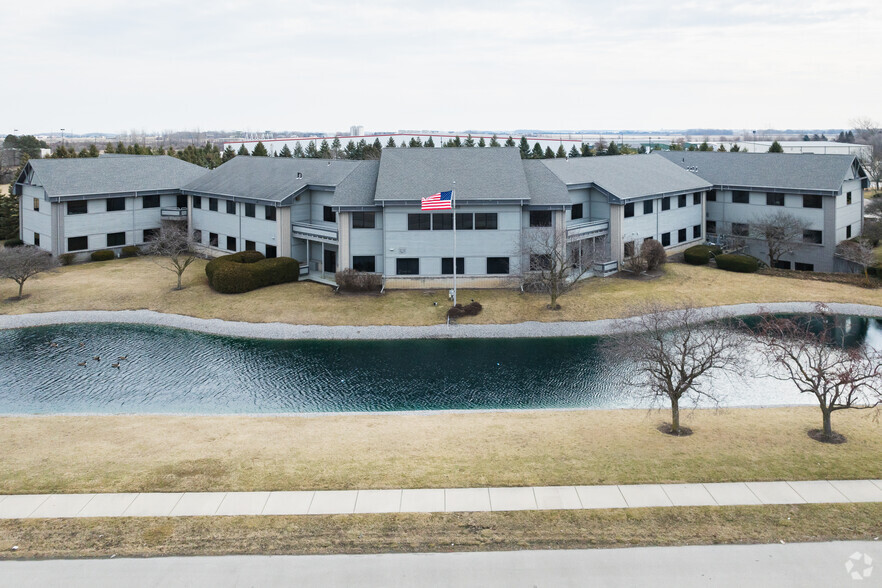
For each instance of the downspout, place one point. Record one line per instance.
(239, 214)
(383, 289)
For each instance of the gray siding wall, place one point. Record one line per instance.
(97, 223)
(263, 232)
(35, 221)
(367, 241)
(653, 225)
(849, 215)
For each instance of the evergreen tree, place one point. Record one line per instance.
(93, 150)
(84, 153)
(311, 150)
(298, 150)
(242, 150)
(705, 147)
(336, 147)
(776, 148)
(457, 142)
(641, 150)
(390, 144)
(351, 150)
(849, 137)
(171, 151)
(824, 137)
(430, 142)
(109, 148)
(493, 141)
(613, 149)
(574, 152)
(469, 142)
(524, 147)
(120, 148)
(586, 150)
(415, 142)
(537, 151)
(721, 148)
(510, 142)
(449, 143)
(549, 154)
(841, 137)
(325, 150)
(481, 142)
(806, 138)
(561, 153)
(260, 150)
(285, 152)
(735, 148)
(161, 151)
(692, 148)
(228, 154)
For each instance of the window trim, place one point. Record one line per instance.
(117, 234)
(485, 220)
(628, 210)
(460, 266)
(76, 204)
(648, 206)
(363, 259)
(538, 218)
(250, 210)
(267, 214)
(419, 221)
(775, 199)
(740, 196)
(409, 260)
(231, 206)
(499, 260)
(150, 201)
(85, 241)
(580, 207)
(364, 220)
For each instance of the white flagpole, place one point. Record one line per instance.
(453, 210)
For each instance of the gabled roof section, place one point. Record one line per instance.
(358, 188)
(111, 175)
(491, 173)
(626, 177)
(272, 179)
(805, 172)
(546, 189)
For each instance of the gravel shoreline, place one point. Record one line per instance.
(454, 331)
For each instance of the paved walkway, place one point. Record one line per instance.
(183, 504)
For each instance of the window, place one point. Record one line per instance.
(269, 213)
(540, 218)
(848, 198)
(197, 236)
(804, 267)
(249, 210)
(848, 232)
(270, 251)
(231, 243)
(37, 204)
(150, 234)
(811, 236)
(696, 199)
(740, 197)
(629, 249)
(696, 232)
(442, 221)
(681, 235)
(197, 202)
(497, 265)
(231, 207)
(37, 239)
(464, 221)
(712, 196)
(666, 203)
(328, 215)
(629, 210)
(811, 201)
(181, 201)
(712, 227)
(114, 204)
(77, 243)
(407, 266)
(116, 239)
(540, 262)
(485, 221)
(647, 206)
(212, 204)
(250, 246)
(151, 201)
(781, 264)
(740, 229)
(364, 263)
(774, 199)
(447, 266)
(212, 239)
(363, 220)
(78, 207)
(577, 211)
(419, 222)
(666, 239)
(681, 200)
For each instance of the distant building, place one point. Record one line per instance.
(356, 131)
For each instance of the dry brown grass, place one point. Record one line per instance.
(138, 283)
(66, 538)
(190, 453)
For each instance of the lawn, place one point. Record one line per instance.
(138, 283)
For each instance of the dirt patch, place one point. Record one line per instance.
(667, 429)
(834, 438)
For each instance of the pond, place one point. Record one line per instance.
(175, 371)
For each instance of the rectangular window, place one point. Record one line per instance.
(114, 204)
(150, 234)
(36, 204)
(419, 222)
(811, 236)
(848, 232)
(363, 220)
(681, 200)
(269, 213)
(666, 239)
(666, 203)
(250, 210)
(811, 201)
(465, 221)
(364, 263)
(577, 211)
(197, 202)
(540, 262)
(497, 265)
(712, 196)
(442, 221)
(740, 229)
(696, 232)
(629, 249)
(774, 199)
(781, 264)
(629, 210)
(212, 239)
(151, 201)
(407, 266)
(540, 218)
(231, 243)
(447, 266)
(231, 207)
(740, 197)
(681, 235)
(116, 239)
(647, 206)
(270, 251)
(37, 239)
(848, 198)
(250, 245)
(78, 207)
(485, 221)
(804, 267)
(328, 215)
(77, 243)
(696, 199)
(212, 204)
(712, 227)
(181, 201)
(197, 236)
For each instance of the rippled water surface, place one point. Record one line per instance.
(176, 371)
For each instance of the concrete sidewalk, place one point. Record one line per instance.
(34, 506)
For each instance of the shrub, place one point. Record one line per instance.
(10, 243)
(701, 254)
(103, 255)
(249, 270)
(653, 254)
(735, 262)
(129, 251)
(67, 258)
(470, 309)
(350, 280)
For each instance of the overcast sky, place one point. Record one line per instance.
(113, 66)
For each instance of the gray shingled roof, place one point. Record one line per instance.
(780, 171)
(271, 178)
(545, 187)
(112, 175)
(358, 188)
(627, 176)
(481, 174)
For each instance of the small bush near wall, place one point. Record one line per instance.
(470, 309)
(129, 251)
(653, 254)
(66, 258)
(249, 270)
(701, 254)
(734, 262)
(8, 243)
(103, 255)
(350, 280)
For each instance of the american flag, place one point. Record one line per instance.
(439, 201)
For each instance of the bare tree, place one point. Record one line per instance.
(173, 249)
(20, 263)
(859, 252)
(672, 350)
(782, 233)
(555, 266)
(810, 351)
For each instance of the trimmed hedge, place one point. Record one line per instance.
(470, 309)
(653, 254)
(103, 255)
(350, 280)
(129, 251)
(735, 262)
(67, 258)
(16, 242)
(249, 270)
(701, 254)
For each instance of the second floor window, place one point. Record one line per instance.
(328, 215)
(540, 218)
